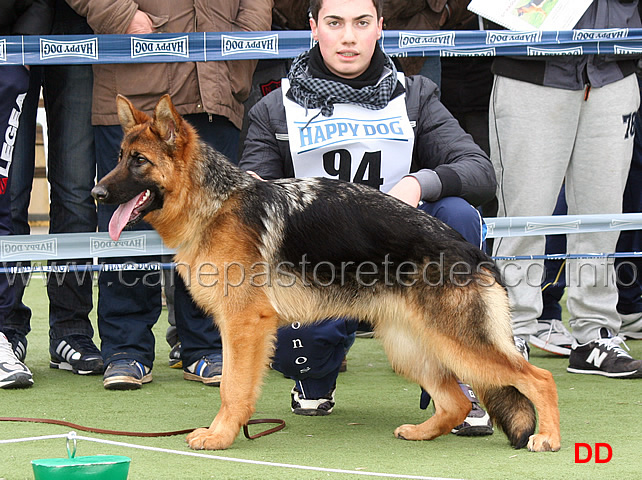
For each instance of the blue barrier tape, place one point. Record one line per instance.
(102, 267)
(67, 246)
(209, 46)
(152, 266)
(551, 225)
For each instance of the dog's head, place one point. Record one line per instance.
(142, 178)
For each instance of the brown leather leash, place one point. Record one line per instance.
(280, 425)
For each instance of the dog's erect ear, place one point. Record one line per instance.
(166, 119)
(128, 115)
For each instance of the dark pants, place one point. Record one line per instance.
(629, 270)
(14, 82)
(312, 355)
(129, 302)
(67, 92)
(554, 272)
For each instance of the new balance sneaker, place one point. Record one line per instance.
(522, 347)
(604, 356)
(13, 373)
(76, 353)
(312, 407)
(552, 336)
(478, 422)
(175, 360)
(126, 374)
(207, 370)
(631, 326)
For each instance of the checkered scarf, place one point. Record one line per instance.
(310, 91)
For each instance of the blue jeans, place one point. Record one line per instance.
(71, 173)
(324, 345)
(129, 302)
(67, 92)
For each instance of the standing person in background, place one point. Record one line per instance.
(16, 18)
(629, 270)
(210, 95)
(568, 119)
(424, 15)
(71, 170)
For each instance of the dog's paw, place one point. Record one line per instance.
(542, 442)
(206, 439)
(408, 432)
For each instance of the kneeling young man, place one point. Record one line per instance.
(345, 112)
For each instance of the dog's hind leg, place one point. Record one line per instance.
(248, 338)
(451, 408)
(539, 387)
(516, 383)
(410, 357)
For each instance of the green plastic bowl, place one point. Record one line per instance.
(95, 467)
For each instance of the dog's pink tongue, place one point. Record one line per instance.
(121, 216)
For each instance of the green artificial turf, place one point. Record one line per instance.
(371, 402)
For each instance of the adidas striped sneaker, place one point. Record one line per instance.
(76, 353)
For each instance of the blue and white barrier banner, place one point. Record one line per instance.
(558, 224)
(211, 46)
(158, 267)
(68, 246)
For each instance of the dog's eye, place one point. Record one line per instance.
(140, 159)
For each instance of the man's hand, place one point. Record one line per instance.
(141, 23)
(407, 190)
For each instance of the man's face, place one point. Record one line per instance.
(347, 32)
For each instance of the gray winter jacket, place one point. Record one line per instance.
(440, 145)
(576, 72)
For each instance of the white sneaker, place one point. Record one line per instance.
(13, 373)
(477, 422)
(631, 326)
(552, 336)
(312, 407)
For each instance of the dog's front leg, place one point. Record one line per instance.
(248, 339)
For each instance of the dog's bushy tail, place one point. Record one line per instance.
(511, 411)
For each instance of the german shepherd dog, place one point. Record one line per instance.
(257, 255)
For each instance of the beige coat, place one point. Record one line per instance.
(217, 87)
(423, 15)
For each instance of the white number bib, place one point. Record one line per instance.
(373, 147)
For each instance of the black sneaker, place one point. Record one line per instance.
(18, 343)
(76, 353)
(312, 407)
(604, 356)
(175, 360)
